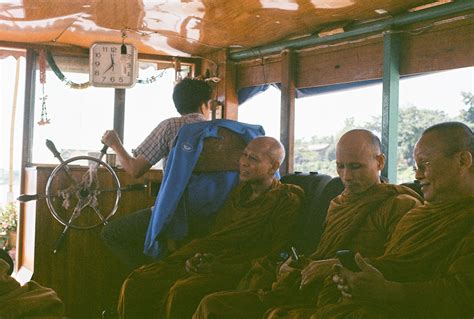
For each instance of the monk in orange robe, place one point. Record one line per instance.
(28, 301)
(361, 218)
(427, 270)
(256, 219)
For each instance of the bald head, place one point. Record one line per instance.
(453, 136)
(360, 138)
(444, 162)
(260, 160)
(271, 147)
(359, 160)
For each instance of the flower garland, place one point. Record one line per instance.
(62, 77)
(42, 68)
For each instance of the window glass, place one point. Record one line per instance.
(429, 99)
(77, 117)
(11, 123)
(148, 104)
(321, 119)
(263, 109)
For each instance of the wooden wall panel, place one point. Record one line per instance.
(347, 63)
(440, 46)
(86, 276)
(447, 46)
(255, 73)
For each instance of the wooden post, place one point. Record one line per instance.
(390, 97)
(219, 65)
(119, 112)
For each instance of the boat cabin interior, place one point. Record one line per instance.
(240, 47)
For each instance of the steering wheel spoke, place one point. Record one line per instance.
(75, 198)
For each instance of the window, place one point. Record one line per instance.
(7, 84)
(78, 117)
(146, 105)
(321, 119)
(263, 109)
(429, 99)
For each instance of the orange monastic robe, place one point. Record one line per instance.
(361, 222)
(30, 300)
(244, 230)
(431, 253)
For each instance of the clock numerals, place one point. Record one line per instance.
(109, 68)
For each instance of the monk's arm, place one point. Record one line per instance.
(283, 221)
(451, 295)
(394, 210)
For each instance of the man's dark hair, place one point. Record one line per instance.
(189, 94)
(457, 136)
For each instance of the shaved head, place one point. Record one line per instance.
(260, 160)
(359, 160)
(454, 136)
(271, 147)
(361, 137)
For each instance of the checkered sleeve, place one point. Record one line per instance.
(158, 143)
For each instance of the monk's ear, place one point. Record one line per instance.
(465, 159)
(380, 161)
(275, 166)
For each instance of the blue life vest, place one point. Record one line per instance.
(204, 193)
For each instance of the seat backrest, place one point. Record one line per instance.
(222, 153)
(415, 185)
(310, 222)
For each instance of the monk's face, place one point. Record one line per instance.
(255, 163)
(358, 165)
(436, 169)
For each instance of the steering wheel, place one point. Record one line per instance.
(82, 202)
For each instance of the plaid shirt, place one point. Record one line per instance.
(158, 144)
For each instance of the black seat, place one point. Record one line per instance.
(415, 185)
(319, 189)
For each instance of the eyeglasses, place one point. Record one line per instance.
(421, 166)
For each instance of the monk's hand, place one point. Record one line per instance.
(286, 267)
(203, 263)
(368, 284)
(317, 270)
(192, 263)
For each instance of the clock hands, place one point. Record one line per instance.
(112, 66)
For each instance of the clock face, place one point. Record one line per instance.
(110, 68)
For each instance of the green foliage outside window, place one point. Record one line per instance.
(319, 153)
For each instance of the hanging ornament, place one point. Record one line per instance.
(54, 67)
(42, 68)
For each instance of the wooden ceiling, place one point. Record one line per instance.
(184, 27)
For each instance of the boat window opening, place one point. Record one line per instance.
(263, 109)
(11, 135)
(428, 99)
(146, 105)
(321, 119)
(77, 117)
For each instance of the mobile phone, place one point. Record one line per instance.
(294, 254)
(347, 259)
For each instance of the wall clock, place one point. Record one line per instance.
(110, 66)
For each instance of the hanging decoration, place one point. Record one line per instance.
(152, 78)
(62, 77)
(42, 68)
